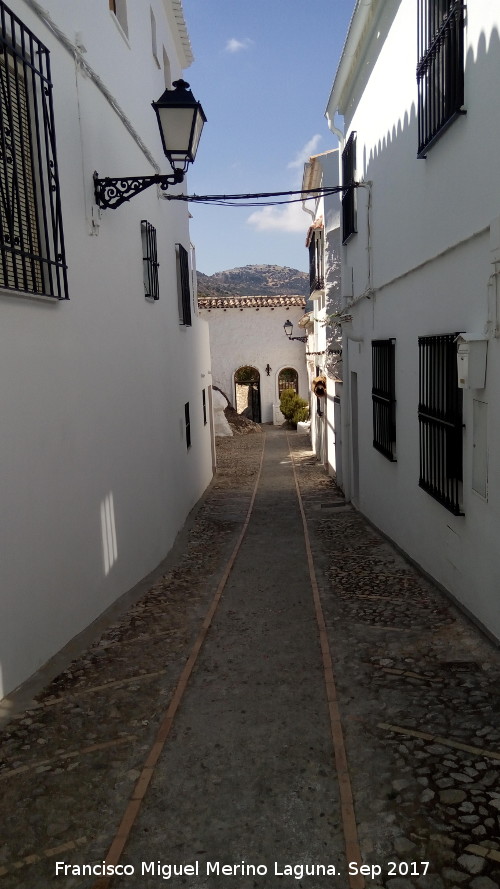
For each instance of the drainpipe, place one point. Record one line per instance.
(335, 130)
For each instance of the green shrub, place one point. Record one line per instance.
(294, 408)
(301, 414)
(287, 402)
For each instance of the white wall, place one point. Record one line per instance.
(96, 477)
(256, 337)
(323, 169)
(422, 264)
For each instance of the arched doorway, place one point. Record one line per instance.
(288, 378)
(247, 392)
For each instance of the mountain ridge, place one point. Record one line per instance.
(254, 280)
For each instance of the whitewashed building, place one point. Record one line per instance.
(325, 343)
(252, 357)
(415, 104)
(105, 370)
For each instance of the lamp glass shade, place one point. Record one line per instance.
(288, 328)
(180, 119)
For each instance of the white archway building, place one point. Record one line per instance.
(249, 331)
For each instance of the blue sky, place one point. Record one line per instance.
(263, 71)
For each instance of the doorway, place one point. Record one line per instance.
(247, 392)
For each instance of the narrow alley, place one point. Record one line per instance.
(286, 701)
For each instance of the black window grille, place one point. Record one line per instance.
(316, 262)
(440, 420)
(440, 69)
(32, 243)
(188, 424)
(119, 9)
(288, 379)
(204, 405)
(318, 400)
(349, 189)
(384, 397)
(183, 285)
(150, 262)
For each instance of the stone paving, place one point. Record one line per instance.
(417, 682)
(419, 690)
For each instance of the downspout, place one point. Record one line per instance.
(335, 130)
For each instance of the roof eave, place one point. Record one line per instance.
(357, 36)
(175, 15)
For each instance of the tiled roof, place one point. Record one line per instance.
(250, 302)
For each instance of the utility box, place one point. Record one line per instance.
(471, 360)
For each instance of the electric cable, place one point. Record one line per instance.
(256, 199)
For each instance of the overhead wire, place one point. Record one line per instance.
(259, 199)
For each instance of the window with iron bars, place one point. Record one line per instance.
(440, 421)
(316, 262)
(150, 262)
(384, 397)
(187, 421)
(119, 10)
(440, 68)
(349, 190)
(183, 285)
(32, 257)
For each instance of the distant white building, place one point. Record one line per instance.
(417, 87)
(324, 349)
(104, 362)
(252, 358)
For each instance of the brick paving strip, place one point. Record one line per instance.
(73, 754)
(94, 689)
(353, 853)
(70, 846)
(437, 739)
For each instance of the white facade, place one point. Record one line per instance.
(325, 342)
(424, 262)
(248, 331)
(96, 474)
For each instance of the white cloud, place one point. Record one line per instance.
(234, 45)
(289, 218)
(305, 153)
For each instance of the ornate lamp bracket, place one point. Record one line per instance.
(111, 193)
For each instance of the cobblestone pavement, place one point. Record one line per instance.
(417, 683)
(419, 691)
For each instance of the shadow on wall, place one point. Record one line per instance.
(439, 181)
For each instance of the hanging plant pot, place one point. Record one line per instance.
(319, 386)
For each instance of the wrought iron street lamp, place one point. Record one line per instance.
(288, 328)
(180, 119)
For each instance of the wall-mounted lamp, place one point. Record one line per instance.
(288, 328)
(268, 369)
(180, 119)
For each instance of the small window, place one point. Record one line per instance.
(154, 46)
(32, 256)
(383, 397)
(166, 70)
(440, 69)
(204, 405)
(440, 420)
(349, 189)
(119, 10)
(150, 262)
(183, 285)
(316, 262)
(187, 424)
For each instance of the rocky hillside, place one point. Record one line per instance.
(255, 280)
